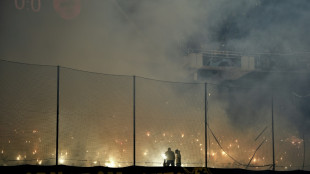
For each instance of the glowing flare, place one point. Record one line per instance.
(61, 160)
(164, 156)
(110, 163)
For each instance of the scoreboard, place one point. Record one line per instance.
(66, 9)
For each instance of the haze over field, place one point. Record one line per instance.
(150, 39)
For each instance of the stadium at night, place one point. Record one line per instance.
(109, 85)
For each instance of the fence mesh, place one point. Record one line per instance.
(27, 114)
(169, 115)
(290, 127)
(239, 131)
(96, 121)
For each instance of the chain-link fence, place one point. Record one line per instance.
(51, 115)
(28, 114)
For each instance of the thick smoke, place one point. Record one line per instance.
(267, 27)
(143, 37)
(119, 37)
(148, 38)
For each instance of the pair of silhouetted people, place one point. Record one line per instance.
(172, 157)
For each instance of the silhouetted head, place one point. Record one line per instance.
(169, 149)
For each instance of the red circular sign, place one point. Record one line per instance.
(67, 9)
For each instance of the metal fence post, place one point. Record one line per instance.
(304, 142)
(206, 126)
(57, 121)
(134, 120)
(273, 160)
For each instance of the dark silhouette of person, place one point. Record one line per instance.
(170, 157)
(178, 158)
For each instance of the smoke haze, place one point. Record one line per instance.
(142, 37)
(150, 38)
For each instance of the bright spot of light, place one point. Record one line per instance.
(182, 135)
(61, 160)
(18, 157)
(164, 156)
(110, 163)
(148, 134)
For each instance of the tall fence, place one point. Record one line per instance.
(53, 115)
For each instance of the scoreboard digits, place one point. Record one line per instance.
(34, 4)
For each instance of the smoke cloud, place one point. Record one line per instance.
(150, 38)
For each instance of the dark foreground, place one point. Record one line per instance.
(30, 169)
